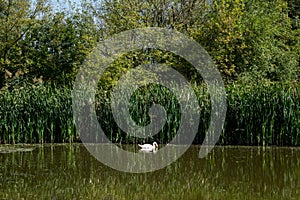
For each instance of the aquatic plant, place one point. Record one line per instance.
(256, 115)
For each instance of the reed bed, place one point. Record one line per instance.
(36, 114)
(256, 115)
(263, 115)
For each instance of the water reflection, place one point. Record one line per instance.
(70, 172)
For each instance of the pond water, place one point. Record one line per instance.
(70, 172)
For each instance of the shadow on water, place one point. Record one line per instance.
(70, 172)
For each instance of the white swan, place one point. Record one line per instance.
(149, 147)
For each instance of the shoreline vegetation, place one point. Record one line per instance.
(256, 115)
(255, 45)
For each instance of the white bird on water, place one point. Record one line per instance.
(149, 147)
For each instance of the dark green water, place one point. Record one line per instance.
(70, 172)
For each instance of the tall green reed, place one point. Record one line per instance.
(263, 115)
(36, 114)
(256, 115)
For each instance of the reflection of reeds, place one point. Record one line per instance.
(70, 172)
(256, 115)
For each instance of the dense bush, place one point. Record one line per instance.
(248, 40)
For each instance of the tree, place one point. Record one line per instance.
(294, 14)
(269, 35)
(17, 17)
(223, 36)
(118, 16)
(248, 40)
(59, 45)
(41, 42)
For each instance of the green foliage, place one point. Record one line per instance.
(123, 15)
(269, 34)
(249, 41)
(294, 9)
(59, 45)
(118, 16)
(43, 43)
(224, 39)
(16, 21)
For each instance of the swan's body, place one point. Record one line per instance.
(149, 147)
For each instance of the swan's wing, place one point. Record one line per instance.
(146, 146)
